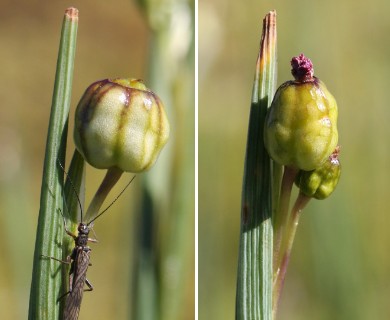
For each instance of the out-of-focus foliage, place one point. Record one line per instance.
(340, 260)
(113, 41)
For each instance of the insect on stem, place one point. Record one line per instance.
(79, 259)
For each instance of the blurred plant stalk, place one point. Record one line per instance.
(164, 277)
(254, 277)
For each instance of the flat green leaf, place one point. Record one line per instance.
(254, 278)
(46, 276)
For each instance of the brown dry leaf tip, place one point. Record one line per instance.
(271, 17)
(302, 68)
(72, 13)
(268, 39)
(269, 22)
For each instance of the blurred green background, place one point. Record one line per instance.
(114, 40)
(340, 260)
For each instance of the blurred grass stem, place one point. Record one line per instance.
(163, 270)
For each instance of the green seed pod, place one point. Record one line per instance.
(120, 123)
(321, 182)
(301, 124)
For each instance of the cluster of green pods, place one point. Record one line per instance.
(300, 130)
(321, 182)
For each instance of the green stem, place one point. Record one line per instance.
(285, 253)
(282, 215)
(46, 280)
(281, 219)
(74, 191)
(110, 179)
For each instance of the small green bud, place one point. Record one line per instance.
(120, 123)
(321, 182)
(301, 124)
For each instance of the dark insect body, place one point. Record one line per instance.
(79, 261)
(78, 272)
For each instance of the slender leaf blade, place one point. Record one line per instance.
(254, 278)
(46, 280)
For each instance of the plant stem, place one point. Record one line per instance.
(285, 253)
(74, 190)
(110, 179)
(281, 216)
(281, 219)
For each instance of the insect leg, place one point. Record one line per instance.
(63, 296)
(89, 285)
(65, 227)
(92, 240)
(70, 287)
(67, 261)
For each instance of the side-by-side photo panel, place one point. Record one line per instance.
(293, 160)
(97, 168)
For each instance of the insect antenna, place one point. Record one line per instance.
(74, 190)
(89, 223)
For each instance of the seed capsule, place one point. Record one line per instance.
(120, 123)
(301, 124)
(321, 182)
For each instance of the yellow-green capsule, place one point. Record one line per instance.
(120, 123)
(321, 182)
(301, 124)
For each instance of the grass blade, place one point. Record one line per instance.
(254, 279)
(46, 280)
